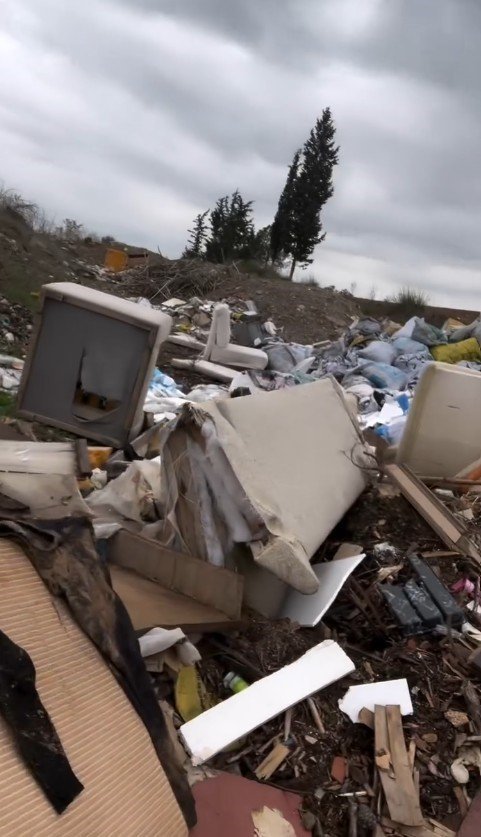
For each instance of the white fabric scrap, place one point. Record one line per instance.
(160, 639)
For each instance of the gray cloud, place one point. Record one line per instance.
(138, 115)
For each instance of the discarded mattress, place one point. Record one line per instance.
(125, 789)
(443, 433)
(275, 470)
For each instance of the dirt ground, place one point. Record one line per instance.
(362, 624)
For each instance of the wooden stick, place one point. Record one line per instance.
(316, 716)
(287, 723)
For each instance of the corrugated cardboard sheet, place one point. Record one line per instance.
(160, 587)
(126, 792)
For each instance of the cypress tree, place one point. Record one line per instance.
(309, 186)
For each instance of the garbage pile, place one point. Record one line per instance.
(280, 622)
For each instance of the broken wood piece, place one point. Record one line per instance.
(452, 531)
(315, 715)
(225, 723)
(395, 774)
(272, 761)
(287, 723)
(455, 718)
(366, 717)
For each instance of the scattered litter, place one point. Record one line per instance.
(272, 761)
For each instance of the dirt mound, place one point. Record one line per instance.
(305, 313)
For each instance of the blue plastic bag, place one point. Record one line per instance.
(384, 376)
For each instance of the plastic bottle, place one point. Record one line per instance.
(234, 682)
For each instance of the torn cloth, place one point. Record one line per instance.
(32, 728)
(64, 555)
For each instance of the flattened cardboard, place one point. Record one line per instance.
(214, 587)
(125, 789)
(151, 605)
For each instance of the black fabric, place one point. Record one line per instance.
(63, 553)
(31, 727)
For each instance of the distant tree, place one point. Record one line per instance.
(231, 229)
(297, 227)
(260, 248)
(71, 230)
(283, 225)
(195, 248)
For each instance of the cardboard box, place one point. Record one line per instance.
(162, 588)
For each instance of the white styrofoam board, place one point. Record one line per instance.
(308, 610)
(225, 723)
(370, 695)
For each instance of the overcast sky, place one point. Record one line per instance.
(134, 115)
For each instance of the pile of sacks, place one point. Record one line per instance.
(380, 363)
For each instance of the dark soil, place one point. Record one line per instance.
(435, 670)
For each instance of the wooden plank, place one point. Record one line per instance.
(394, 768)
(426, 503)
(450, 530)
(386, 774)
(402, 768)
(212, 586)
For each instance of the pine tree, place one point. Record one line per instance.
(297, 227)
(232, 229)
(197, 237)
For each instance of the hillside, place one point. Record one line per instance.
(28, 259)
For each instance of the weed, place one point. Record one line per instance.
(410, 301)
